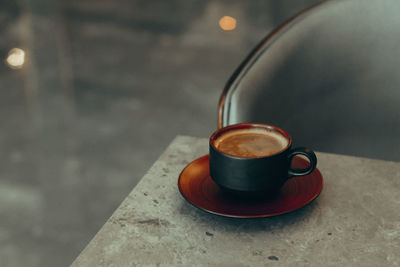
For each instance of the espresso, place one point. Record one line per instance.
(251, 143)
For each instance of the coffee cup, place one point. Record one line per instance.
(254, 159)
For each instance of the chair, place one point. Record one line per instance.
(330, 76)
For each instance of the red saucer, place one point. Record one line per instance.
(197, 187)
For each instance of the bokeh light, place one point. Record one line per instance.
(16, 58)
(227, 23)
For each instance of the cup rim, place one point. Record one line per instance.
(220, 131)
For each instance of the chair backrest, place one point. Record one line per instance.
(330, 77)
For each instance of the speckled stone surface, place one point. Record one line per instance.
(354, 222)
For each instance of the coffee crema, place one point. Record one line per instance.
(252, 143)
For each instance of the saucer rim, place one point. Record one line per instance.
(318, 192)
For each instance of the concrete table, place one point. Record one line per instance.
(354, 222)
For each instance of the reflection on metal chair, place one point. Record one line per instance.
(330, 77)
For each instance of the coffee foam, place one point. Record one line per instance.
(279, 137)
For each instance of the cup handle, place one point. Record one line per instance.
(305, 152)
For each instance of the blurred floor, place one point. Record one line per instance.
(105, 86)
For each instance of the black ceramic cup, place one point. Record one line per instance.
(255, 174)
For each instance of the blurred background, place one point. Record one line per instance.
(92, 92)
